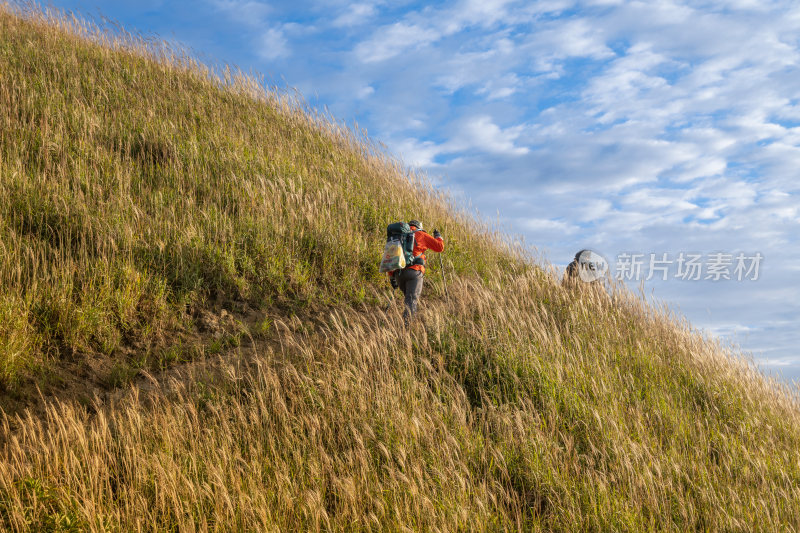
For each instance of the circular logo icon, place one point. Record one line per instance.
(591, 266)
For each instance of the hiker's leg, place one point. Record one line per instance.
(402, 284)
(401, 281)
(413, 290)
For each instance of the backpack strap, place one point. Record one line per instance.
(413, 245)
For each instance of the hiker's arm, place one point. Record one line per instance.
(436, 245)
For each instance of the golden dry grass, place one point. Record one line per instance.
(140, 193)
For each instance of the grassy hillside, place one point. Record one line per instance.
(188, 273)
(136, 194)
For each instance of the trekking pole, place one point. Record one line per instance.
(444, 279)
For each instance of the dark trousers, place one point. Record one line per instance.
(410, 282)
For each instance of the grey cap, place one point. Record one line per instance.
(416, 223)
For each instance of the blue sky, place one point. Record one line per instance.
(654, 127)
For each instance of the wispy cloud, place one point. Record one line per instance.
(273, 44)
(394, 40)
(480, 133)
(420, 154)
(355, 15)
(248, 12)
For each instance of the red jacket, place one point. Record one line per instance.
(422, 242)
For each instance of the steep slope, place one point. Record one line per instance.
(138, 194)
(158, 221)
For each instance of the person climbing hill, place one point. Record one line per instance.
(409, 279)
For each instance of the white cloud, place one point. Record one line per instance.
(419, 29)
(487, 67)
(581, 38)
(547, 225)
(356, 14)
(499, 89)
(248, 12)
(420, 154)
(593, 209)
(366, 91)
(658, 200)
(556, 41)
(483, 12)
(273, 44)
(480, 133)
(477, 134)
(393, 40)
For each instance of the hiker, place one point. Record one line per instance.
(409, 279)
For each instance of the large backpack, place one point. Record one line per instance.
(399, 250)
